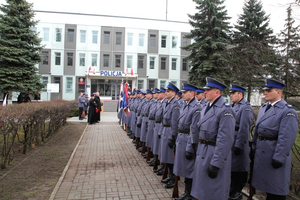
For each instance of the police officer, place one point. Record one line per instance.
(184, 156)
(240, 164)
(169, 133)
(201, 97)
(139, 117)
(179, 98)
(211, 176)
(275, 133)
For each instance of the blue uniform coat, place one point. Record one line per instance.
(280, 120)
(216, 125)
(151, 123)
(139, 117)
(158, 127)
(145, 119)
(244, 115)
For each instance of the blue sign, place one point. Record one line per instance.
(110, 73)
(88, 86)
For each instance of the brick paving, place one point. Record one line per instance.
(106, 165)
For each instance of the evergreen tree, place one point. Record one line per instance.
(211, 38)
(19, 48)
(288, 45)
(253, 56)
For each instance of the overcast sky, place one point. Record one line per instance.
(156, 9)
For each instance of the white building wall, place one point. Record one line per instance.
(68, 93)
(144, 48)
(166, 50)
(134, 63)
(152, 73)
(176, 50)
(174, 75)
(57, 69)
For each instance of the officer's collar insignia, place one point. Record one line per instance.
(291, 114)
(228, 114)
(248, 109)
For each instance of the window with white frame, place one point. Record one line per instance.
(69, 85)
(162, 83)
(141, 39)
(129, 61)
(58, 32)
(82, 36)
(174, 63)
(106, 37)
(95, 37)
(82, 59)
(152, 62)
(45, 57)
(44, 81)
(163, 41)
(151, 84)
(118, 38)
(140, 84)
(141, 62)
(70, 35)
(163, 63)
(118, 61)
(184, 64)
(129, 39)
(46, 34)
(57, 58)
(174, 42)
(69, 59)
(105, 60)
(94, 59)
(152, 40)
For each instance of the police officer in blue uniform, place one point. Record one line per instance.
(240, 164)
(180, 99)
(212, 169)
(139, 118)
(169, 133)
(275, 133)
(184, 156)
(200, 96)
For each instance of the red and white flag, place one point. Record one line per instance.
(131, 72)
(4, 101)
(94, 71)
(89, 71)
(126, 72)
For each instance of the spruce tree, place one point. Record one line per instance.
(210, 40)
(288, 45)
(19, 48)
(253, 55)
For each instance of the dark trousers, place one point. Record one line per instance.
(275, 197)
(80, 112)
(238, 181)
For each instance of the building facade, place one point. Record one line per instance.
(98, 55)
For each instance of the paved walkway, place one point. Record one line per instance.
(106, 165)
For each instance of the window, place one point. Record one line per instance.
(174, 82)
(129, 39)
(184, 41)
(163, 63)
(57, 58)
(174, 62)
(174, 42)
(105, 60)
(152, 40)
(95, 37)
(141, 62)
(118, 38)
(106, 37)
(70, 59)
(140, 84)
(70, 35)
(152, 62)
(82, 59)
(58, 34)
(45, 57)
(141, 40)
(129, 61)
(162, 83)
(82, 36)
(163, 41)
(94, 59)
(184, 64)
(151, 83)
(118, 61)
(69, 87)
(45, 81)
(57, 80)
(46, 34)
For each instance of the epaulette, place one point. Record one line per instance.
(289, 105)
(248, 109)
(227, 104)
(177, 107)
(247, 103)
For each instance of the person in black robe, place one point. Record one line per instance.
(92, 117)
(97, 98)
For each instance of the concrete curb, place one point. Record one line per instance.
(53, 194)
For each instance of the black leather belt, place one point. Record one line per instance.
(184, 131)
(145, 115)
(263, 137)
(166, 125)
(208, 142)
(237, 128)
(157, 121)
(151, 118)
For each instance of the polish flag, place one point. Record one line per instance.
(126, 72)
(4, 101)
(89, 71)
(131, 72)
(94, 72)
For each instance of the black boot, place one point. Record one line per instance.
(159, 169)
(171, 182)
(236, 196)
(188, 186)
(151, 161)
(166, 180)
(182, 196)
